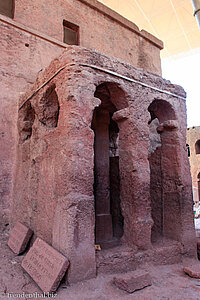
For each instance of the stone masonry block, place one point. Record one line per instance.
(19, 238)
(133, 281)
(45, 265)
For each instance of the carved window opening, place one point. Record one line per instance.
(48, 107)
(7, 8)
(70, 33)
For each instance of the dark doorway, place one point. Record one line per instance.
(109, 219)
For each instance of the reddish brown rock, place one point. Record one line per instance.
(78, 168)
(167, 125)
(21, 63)
(193, 270)
(94, 21)
(19, 238)
(34, 39)
(45, 265)
(70, 176)
(133, 281)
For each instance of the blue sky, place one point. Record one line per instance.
(185, 71)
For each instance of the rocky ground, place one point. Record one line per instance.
(168, 282)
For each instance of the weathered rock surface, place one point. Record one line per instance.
(23, 55)
(32, 36)
(193, 270)
(133, 281)
(56, 162)
(19, 238)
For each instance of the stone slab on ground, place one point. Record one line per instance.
(19, 238)
(45, 265)
(168, 282)
(193, 270)
(133, 281)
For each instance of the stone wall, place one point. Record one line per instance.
(23, 55)
(193, 136)
(55, 180)
(34, 37)
(99, 28)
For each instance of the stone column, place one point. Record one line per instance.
(134, 178)
(176, 185)
(171, 180)
(102, 180)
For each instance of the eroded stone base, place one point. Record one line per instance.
(123, 259)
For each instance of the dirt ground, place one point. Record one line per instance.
(168, 282)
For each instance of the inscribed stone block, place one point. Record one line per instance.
(19, 238)
(45, 265)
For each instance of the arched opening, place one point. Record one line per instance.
(108, 215)
(197, 147)
(164, 171)
(162, 110)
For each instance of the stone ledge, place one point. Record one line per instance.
(100, 8)
(77, 58)
(32, 31)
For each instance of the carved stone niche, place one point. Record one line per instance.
(25, 122)
(48, 107)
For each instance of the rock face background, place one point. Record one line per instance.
(32, 36)
(54, 187)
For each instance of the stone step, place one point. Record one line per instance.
(122, 258)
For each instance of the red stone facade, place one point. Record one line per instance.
(31, 34)
(99, 28)
(193, 147)
(63, 175)
(94, 152)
